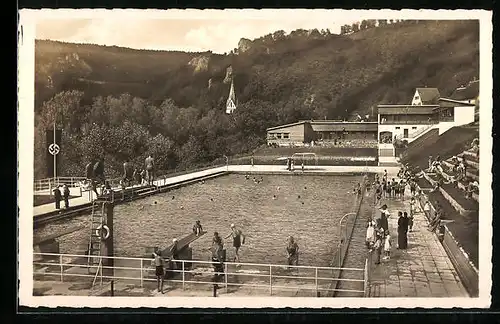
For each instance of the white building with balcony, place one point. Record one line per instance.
(426, 112)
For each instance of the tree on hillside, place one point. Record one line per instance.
(363, 25)
(346, 75)
(279, 34)
(315, 33)
(382, 22)
(371, 23)
(355, 27)
(345, 29)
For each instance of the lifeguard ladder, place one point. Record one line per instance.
(98, 231)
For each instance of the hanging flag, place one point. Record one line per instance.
(52, 151)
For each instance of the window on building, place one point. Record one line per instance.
(286, 135)
(414, 127)
(398, 127)
(278, 135)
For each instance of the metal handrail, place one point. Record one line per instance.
(315, 279)
(343, 239)
(416, 133)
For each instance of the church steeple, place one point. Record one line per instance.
(231, 100)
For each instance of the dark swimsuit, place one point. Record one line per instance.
(237, 241)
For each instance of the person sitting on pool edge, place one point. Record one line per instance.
(292, 251)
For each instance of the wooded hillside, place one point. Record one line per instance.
(122, 102)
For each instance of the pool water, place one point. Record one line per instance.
(306, 207)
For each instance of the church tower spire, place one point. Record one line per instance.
(231, 100)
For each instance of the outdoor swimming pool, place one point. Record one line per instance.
(306, 207)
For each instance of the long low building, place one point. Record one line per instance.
(311, 132)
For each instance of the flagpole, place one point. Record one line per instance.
(55, 164)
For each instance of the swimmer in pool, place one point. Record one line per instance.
(238, 239)
(292, 250)
(197, 228)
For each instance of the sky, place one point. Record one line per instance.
(217, 33)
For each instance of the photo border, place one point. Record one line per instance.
(25, 142)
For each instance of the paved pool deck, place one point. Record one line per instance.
(279, 169)
(58, 288)
(423, 270)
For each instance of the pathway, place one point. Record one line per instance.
(423, 270)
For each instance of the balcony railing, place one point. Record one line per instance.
(416, 133)
(408, 122)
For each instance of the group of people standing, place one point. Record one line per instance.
(94, 174)
(164, 266)
(138, 176)
(64, 195)
(378, 238)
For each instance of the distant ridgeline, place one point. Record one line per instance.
(124, 103)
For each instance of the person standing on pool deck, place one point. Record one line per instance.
(218, 258)
(57, 197)
(292, 250)
(238, 239)
(382, 222)
(128, 176)
(66, 196)
(158, 263)
(150, 163)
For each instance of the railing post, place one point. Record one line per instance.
(225, 276)
(141, 273)
(316, 280)
(271, 280)
(61, 267)
(183, 275)
(101, 271)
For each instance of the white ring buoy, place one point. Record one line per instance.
(99, 232)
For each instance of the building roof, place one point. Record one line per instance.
(406, 109)
(429, 95)
(332, 126)
(446, 102)
(470, 91)
(232, 96)
(347, 126)
(287, 125)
